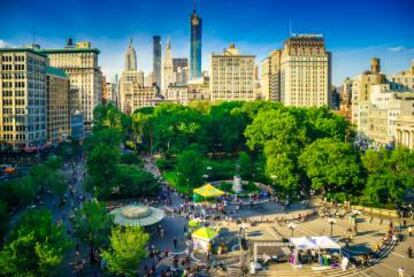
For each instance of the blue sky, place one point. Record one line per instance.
(355, 30)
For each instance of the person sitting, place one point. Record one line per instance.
(266, 258)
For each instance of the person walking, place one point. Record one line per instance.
(401, 272)
(175, 242)
(410, 231)
(409, 252)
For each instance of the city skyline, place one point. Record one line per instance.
(350, 33)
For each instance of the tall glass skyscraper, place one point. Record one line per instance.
(195, 55)
(156, 60)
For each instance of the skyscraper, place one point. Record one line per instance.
(195, 55)
(130, 58)
(305, 72)
(156, 60)
(167, 68)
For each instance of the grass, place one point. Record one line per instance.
(171, 177)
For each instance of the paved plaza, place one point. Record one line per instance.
(268, 222)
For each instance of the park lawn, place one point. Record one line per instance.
(170, 176)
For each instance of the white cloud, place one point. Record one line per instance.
(5, 44)
(396, 49)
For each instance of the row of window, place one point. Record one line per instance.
(17, 93)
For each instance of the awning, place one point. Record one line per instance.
(208, 191)
(322, 242)
(205, 233)
(325, 242)
(303, 243)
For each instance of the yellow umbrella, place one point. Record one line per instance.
(208, 191)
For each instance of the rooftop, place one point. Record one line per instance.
(30, 50)
(56, 72)
(70, 50)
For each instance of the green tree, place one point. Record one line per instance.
(390, 173)
(245, 166)
(190, 169)
(331, 165)
(103, 148)
(382, 189)
(375, 161)
(273, 125)
(36, 247)
(135, 182)
(18, 192)
(142, 127)
(324, 123)
(226, 124)
(92, 225)
(281, 165)
(175, 127)
(4, 218)
(127, 250)
(47, 176)
(109, 116)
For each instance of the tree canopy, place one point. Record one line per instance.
(36, 246)
(126, 251)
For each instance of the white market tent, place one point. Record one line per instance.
(325, 242)
(322, 242)
(303, 243)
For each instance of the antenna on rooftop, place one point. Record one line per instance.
(290, 27)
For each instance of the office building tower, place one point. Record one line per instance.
(195, 45)
(156, 60)
(305, 67)
(57, 105)
(167, 68)
(232, 76)
(270, 76)
(130, 63)
(22, 99)
(80, 63)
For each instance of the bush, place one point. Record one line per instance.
(130, 158)
(227, 187)
(164, 164)
(221, 169)
(250, 187)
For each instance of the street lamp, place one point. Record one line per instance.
(292, 227)
(331, 221)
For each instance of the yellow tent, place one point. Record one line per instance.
(208, 191)
(205, 233)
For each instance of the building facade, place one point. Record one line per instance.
(232, 76)
(270, 77)
(405, 131)
(156, 60)
(57, 105)
(195, 45)
(76, 126)
(136, 96)
(305, 72)
(181, 72)
(80, 63)
(361, 92)
(132, 90)
(382, 112)
(22, 99)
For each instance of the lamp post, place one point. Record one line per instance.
(292, 227)
(331, 221)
